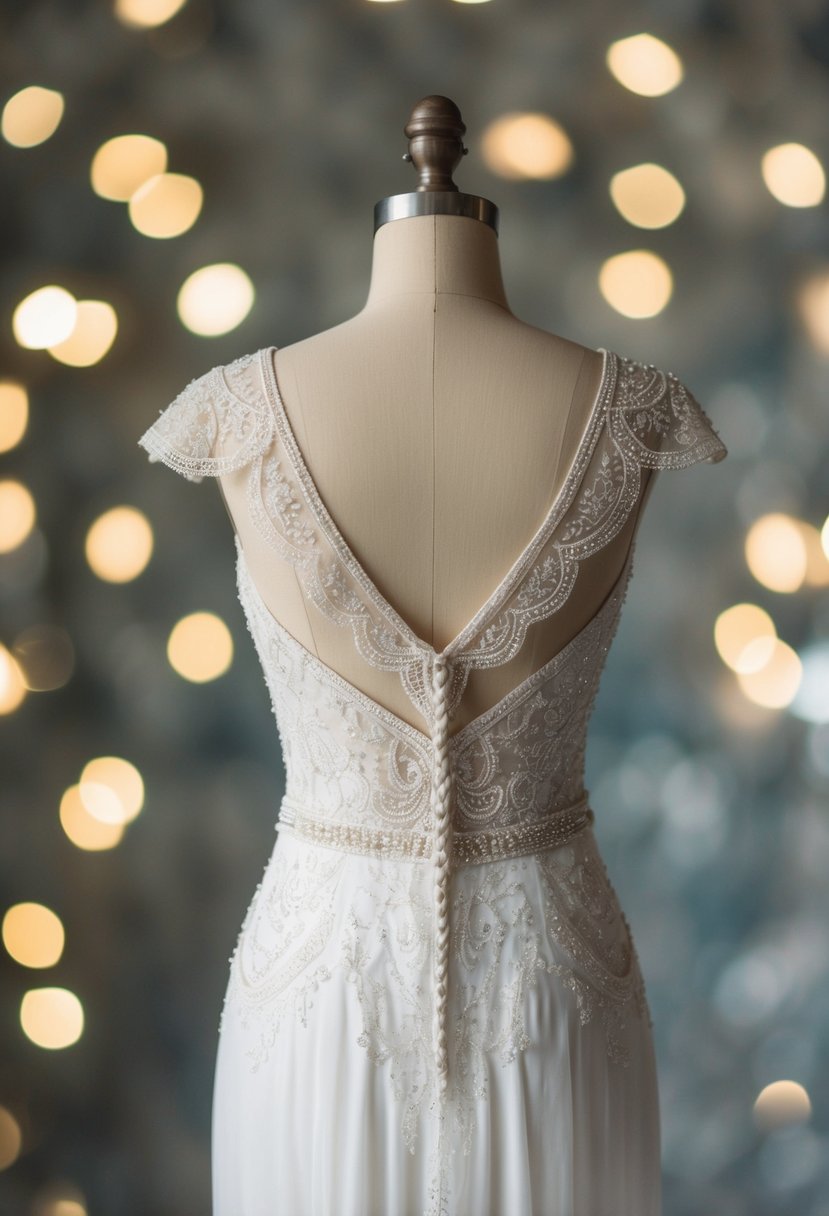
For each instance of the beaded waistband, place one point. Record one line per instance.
(554, 828)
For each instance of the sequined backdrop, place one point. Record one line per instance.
(659, 169)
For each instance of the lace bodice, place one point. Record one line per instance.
(233, 416)
(525, 753)
(360, 780)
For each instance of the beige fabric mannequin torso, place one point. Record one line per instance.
(438, 429)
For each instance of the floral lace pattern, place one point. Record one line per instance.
(216, 424)
(233, 415)
(286, 928)
(442, 958)
(355, 762)
(511, 922)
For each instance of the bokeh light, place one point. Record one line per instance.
(33, 935)
(774, 684)
(637, 283)
(794, 175)
(52, 1018)
(744, 636)
(817, 563)
(119, 544)
(85, 830)
(31, 116)
(215, 299)
(645, 64)
(45, 317)
(59, 1199)
(776, 552)
(14, 413)
(122, 164)
(781, 1103)
(11, 1138)
(17, 514)
(200, 647)
(111, 789)
(812, 300)
(166, 205)
(144, 14)
(12, 682)
(526, 146)
(647, 196)
(96, 326)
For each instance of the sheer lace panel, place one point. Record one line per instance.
(233, 416)
(573, 667)
(651, 421)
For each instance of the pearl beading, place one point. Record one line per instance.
(468, 848)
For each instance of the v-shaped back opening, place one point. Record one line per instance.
(324, 519)
(253, 603)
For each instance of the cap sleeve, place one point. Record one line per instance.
(660, 422)
(219, 422)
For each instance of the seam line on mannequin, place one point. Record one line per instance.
(434, 420)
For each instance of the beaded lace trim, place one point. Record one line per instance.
(338, 543)
(647, 417)
(636, 405)
(461, 741)
(207, 415)
(469, 848)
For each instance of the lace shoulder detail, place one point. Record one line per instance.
(651, 421)
(219, 422)
(659, 422)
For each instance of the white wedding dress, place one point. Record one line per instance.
(435, 1003)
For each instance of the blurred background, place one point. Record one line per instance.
(183, 183)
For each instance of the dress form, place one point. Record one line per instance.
(438, 429)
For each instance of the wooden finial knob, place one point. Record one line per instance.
(435, 131)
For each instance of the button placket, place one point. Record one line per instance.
(441, 857)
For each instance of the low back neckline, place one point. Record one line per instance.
(252, 601)
(506, 585)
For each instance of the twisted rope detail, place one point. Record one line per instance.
(442, 860)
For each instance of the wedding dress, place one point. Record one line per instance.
(435, 1004)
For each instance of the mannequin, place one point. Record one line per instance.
(438, 429)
